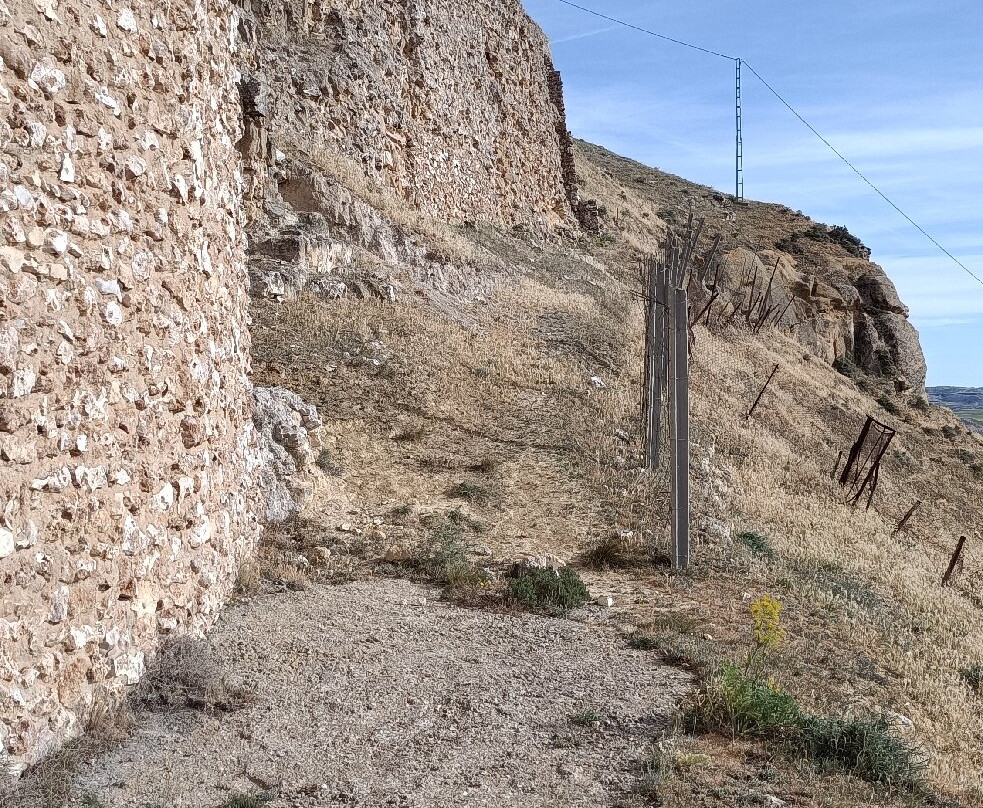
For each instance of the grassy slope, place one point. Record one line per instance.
(494, 388)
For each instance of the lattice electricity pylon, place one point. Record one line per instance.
(863, 466)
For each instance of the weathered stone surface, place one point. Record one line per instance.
(126, 435)
(452, 106)
(878, 292)
(286, 429)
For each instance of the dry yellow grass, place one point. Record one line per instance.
(413, 396)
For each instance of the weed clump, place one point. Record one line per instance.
(742, 701)
(973, 677)
(443, 558)
(865, 746)
(756, 542)
(887, 404)
(548, 589)
(472, 492)
(845, 366)
(185, 675)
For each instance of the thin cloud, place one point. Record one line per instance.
(584, 35)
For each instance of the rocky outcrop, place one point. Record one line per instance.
(837, 315)
(286, 428)
(126, 434)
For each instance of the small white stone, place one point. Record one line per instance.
(59, 605)
(36, 134)
(65, 353)
(11, 259)
(56, 241)
(103, 97)
(24, 198)
(598, 382)
(108, 287)
(112, 313)
(163, 500)
(6, 542)
(136, 167)
(67, 170)
(47, 78)
(98, 24)
(126, 21)
(23, 382)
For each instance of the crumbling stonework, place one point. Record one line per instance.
(454, 106)
(126, 436)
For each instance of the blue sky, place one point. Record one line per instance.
(896, 86)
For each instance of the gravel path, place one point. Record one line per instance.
(376, 694)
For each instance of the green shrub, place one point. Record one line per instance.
(246, 801)
(472, 492)
(919, 403)
(756, 543)
(885, 401)
(326, 463)
(735, 703)
(865, 746)
(443, 558)
(588, 717)
(846, 366)
(610, 552)
(548, 589)
(973, 676)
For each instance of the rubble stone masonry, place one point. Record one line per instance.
(125, 433)
(128, 459)
(453, 105)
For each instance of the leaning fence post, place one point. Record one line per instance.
(956, 559)
(757, 401)
(907, 517)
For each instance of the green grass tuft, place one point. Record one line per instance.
(757, 543)
(548, 589)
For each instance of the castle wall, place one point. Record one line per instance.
(125, 433)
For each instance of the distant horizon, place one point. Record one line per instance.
(913, 124)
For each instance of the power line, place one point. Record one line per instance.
(795, 112)
(862, 176)
(647, 31)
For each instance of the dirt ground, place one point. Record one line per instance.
(375, 693)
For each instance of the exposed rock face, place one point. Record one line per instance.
(840, 315)
(286, 427)
(126, 434)
(454, 106)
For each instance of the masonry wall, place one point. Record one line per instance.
(454, 105)
(125, 438)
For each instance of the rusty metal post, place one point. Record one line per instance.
(907, 517)
(758, 399)
(955, 560)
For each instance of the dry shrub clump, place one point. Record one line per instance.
(185, 675)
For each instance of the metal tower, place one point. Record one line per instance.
(739, 164)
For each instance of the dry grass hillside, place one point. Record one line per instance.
(507, 407)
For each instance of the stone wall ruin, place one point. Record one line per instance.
(125, 417)
(128, 447)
